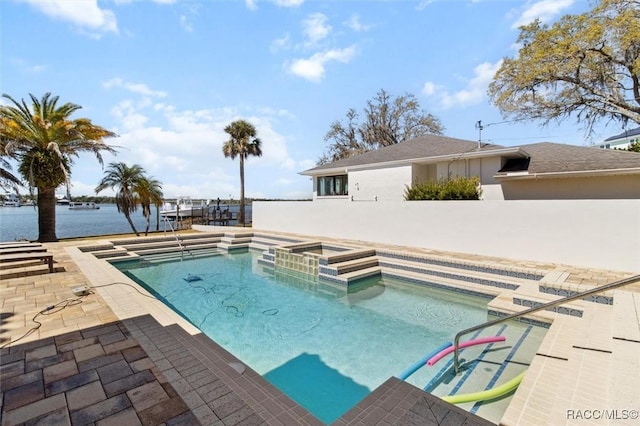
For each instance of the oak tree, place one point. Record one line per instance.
(386, 121)
(585, 67)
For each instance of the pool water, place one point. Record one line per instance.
(324, 347)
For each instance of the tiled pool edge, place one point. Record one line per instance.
(202, 373)
(393, 402)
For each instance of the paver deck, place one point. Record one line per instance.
(117, 357)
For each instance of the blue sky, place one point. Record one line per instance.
(168, 75)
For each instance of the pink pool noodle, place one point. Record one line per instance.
(480, 341)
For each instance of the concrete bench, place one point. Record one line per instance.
(17, 257)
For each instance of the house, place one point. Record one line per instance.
(527, 172)
(622, 140)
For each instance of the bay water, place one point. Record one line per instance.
(17, 223)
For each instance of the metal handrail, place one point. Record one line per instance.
(175, 234)
(615, 284)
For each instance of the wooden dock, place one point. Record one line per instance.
(221, 217)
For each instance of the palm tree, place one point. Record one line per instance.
(149, 192)
(44, 140)
(243, 143)
(126, 179)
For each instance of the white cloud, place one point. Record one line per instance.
(313, 69)
(86, 14)
(185, 24)
(289, 3)
(429, 88)
(139, 88)
(27, 67)
(154, 1)
(306, 165)
(472, 94)
(298, 195)
(423, 4)
(315, 27)
(253, 4)
(356, 25)
(78, 188)
(545, 10)
(283, 43)
(183, 148)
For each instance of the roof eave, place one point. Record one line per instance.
(422, 160)
(578, 173)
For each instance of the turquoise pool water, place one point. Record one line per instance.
(324, 347)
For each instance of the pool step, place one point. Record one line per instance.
(348, 266)
(167, 237)
(263, 243)
(438, 272)
(171, 244)
(578, 366)
(511, 302)
(503, 305)
(123, 249)
(463, 265)
(484, 367)
(348, 256)
(348, 278)
(441, 282)
(109, 253)
(235, 241)
(352, 264)
(96, 247)
(173, 256)
(175, 249)
(344, 267)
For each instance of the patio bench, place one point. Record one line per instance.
(22, 249)
(16, 244)
(17, 257)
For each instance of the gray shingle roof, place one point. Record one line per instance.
(422, 147)
(624, 134)
(546, 157)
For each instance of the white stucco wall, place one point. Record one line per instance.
(599, 187)
(385, 184)
(492, 192)
(484, 168)
(574, 232)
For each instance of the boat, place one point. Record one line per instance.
(11, 200)
(62, 200)
(83, 206)
(182, 207)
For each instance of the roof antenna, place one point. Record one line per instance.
(479, 127)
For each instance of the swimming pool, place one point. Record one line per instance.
(324, 347)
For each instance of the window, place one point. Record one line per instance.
(333, 185)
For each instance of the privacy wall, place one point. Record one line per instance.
(603, 234)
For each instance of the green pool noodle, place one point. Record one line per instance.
(487, 394)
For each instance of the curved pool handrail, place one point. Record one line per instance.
(481, 341)
(409, 371)
(487, 394)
